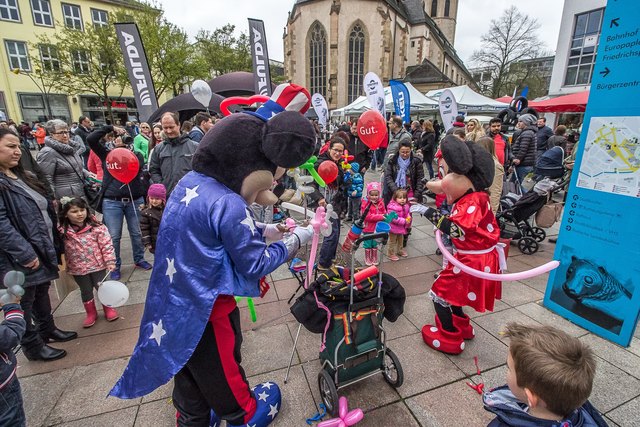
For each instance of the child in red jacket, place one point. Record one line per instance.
(376, 214)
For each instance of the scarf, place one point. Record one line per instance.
(401, 179)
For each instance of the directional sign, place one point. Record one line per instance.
(597, 284)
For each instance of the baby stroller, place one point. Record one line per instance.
(550, 164)
(514, 216)
(355, 341)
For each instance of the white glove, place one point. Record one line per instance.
(299, 237)
(421, 209)
(305, 234)
(270, 231)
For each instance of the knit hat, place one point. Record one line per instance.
(355, 167)
(469, 159)
(373, 186)
(157, 191)
(527, 119)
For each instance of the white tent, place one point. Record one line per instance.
(467, 99)
(419, 103)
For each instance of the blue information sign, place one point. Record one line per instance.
(597, 283)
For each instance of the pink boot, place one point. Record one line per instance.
(110, 313)
(367, 257)
(374, 257)
(92, 314)
(442, 340)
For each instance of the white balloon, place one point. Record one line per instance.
(113, 293)
(306, 189)
(201, 91)
(304, 179)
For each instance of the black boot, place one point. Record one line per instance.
(44, 353)
(58, 335)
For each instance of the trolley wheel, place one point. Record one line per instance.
(392, 370)
(528, 245)
(537, 233)
(328, 392)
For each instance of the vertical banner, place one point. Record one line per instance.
(401, 100)
(597, 285)
(138, 69)
(259, 57)
(375, 92)
(448, 108)
(320, 107)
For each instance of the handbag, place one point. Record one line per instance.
(93, 193)
(549, 214)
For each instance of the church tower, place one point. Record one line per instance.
(444, 13)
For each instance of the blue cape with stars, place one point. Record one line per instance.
(208, 245)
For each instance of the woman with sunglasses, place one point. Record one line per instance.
(61, 161)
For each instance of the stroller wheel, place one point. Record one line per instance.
(528, 245)
(392, 370)
(328, 392)
(537, 233)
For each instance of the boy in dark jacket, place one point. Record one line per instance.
(11, 331)
(152, 214)
(549, 378)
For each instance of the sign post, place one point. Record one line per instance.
(597, 285)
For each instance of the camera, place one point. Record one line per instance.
(127, 139)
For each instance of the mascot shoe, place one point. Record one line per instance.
(462, 323)
(441, 340)
(268, 404)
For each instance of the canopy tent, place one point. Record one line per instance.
(467, 99)
(419, 103)
(573, 103)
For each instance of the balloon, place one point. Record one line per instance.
(372, 129)
(345, 418)
(308, 166)
(503, 277)
(113, 293)
(328, 171)
(123, 165)
(201, 91)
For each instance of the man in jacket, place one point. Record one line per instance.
(542, 136)
(203, 124)
(503, 148)
(171, 160)
(358, 149)
(524, 148)
(84, 129)
(397, 134)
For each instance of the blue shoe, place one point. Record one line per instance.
(144, 265)
(268, 400)
(215, 421)
(115, 274)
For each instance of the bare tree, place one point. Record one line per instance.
(511, 38)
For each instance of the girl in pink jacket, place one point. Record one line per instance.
(89, 253)
(399, 226)
(376, 213)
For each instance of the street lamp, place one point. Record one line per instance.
(41, 86)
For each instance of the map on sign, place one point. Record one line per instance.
(611, 158)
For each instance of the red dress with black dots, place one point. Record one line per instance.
(473, 215)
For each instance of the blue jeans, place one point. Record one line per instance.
(11, 408)
(521, 172)
(114, 211)
(330, 245)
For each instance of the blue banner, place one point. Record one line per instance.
(597, 285)
(401, 100)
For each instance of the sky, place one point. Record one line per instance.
(474, 19)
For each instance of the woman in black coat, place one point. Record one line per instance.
(28, 242)
(427, 145)
(414, 174)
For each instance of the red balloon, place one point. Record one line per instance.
(372, 129)
(123, 165)
(328, 171)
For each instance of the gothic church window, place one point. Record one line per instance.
(447, 6)
(355, 73)
(434, 8)
(318, 59)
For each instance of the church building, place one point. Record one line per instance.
(329, 45)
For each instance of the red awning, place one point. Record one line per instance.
(505, 99)
(573, 103)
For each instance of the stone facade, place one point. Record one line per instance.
(399, 35)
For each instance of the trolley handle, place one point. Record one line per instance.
(371, 237)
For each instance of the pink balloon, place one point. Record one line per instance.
(503, 277)
(353, 417)
(333, 422)
(345, 418)
(343, 408)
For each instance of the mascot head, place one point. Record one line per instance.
(246, 151)
(470, 167)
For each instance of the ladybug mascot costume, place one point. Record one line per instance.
(475, 236)
(209, 250)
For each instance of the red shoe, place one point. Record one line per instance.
(462, 323)
(110, 313)
(92, 314)
(443, 341)
(465, 326)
